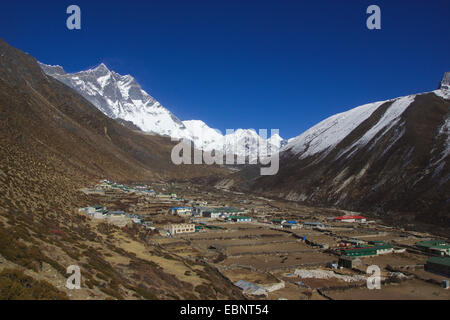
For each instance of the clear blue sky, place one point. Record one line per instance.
(245, 63)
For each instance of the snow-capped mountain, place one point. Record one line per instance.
(325, 136)
(444, 87)
(243, 142)
(277, 140)
(386, 156)
(445, 82)
(202, 135)
(121, 97)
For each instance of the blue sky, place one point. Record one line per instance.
(251, 64)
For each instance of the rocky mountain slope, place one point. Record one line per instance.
(390, 158)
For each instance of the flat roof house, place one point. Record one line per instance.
(436, 247)
(240, 219)
(384, 248)
(200, 209)
(439, 265)
(180, 228)
(359, 252)
(119, 213)
(99, 215)
(349, 262)
(290, 225)
(249, 288)
(210, 212)
(313, 225)
(368, 251)
(350, 219)
(181, 211)
(355, 242)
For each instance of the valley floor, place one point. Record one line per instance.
(262, 258)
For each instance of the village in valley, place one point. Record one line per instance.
(276, 249)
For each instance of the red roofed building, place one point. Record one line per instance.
(350, 219)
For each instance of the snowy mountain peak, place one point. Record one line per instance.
(121, 97)
(198, 123)
(445, 82)
(443, 90)
(276, 140)
(244, 132)
(52, 70)
(101, 69)
(102, 66)
(326, 135)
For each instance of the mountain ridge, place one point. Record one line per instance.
(121, 97)
(388, 158)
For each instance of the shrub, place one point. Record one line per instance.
(15, 285)
(144, 293)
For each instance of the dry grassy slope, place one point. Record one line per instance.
(53, 142)
(399, 181)
(115, 263)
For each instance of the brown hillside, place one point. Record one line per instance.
(53, 142)
(399, 176)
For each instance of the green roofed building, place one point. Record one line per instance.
(383, 248)
(359, 252)
(368, 250)
(439, 265)
(225, 210)
(436, 247)
(217, 212)
(240, 219)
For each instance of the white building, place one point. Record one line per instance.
(180, 228)
(99, 215)
(211, 214)
(350, 219)
(181, 211)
